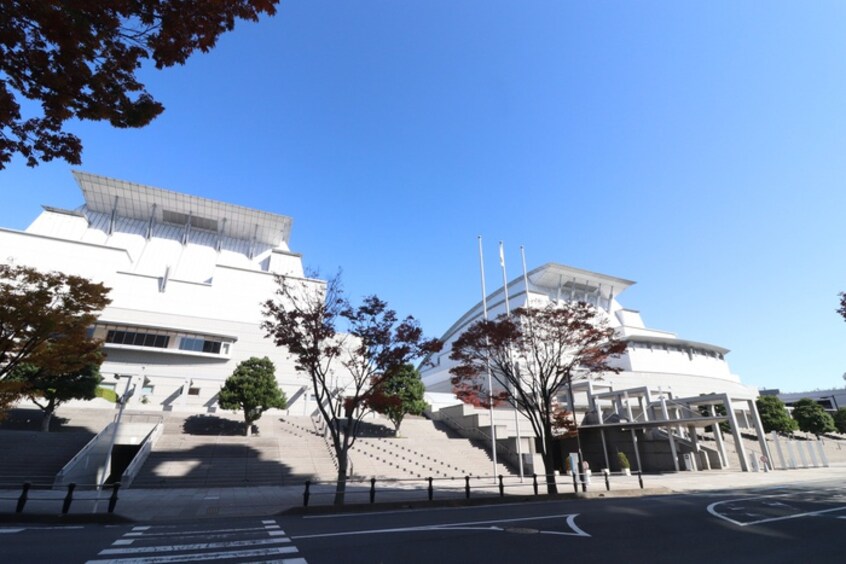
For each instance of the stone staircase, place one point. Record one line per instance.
(424, 449)
(37, 456)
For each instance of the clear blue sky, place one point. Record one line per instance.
(696, 148)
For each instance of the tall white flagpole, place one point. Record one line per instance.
(487, 364)
(513, 393)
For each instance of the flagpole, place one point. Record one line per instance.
(487, 363)
(508, 313)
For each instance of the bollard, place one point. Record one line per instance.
(372, 490)
(535, 483)
(501, 487)
(640, 479)
(431, 489)
(607, 482)
(114, 498)
(575, 483)
(306, 493)
(22, 499)
(68, 499)
(467, 487)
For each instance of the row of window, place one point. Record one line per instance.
(137, 339)
(159, 341)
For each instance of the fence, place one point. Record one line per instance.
(54, 496)
(465, 487)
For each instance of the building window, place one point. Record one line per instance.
(147, 390)
(193, 391)
(137, 339)
(199, 345)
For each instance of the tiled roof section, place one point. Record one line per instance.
(136, 201)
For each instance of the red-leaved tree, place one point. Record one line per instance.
(346, 351)
(78, 59)
(533, 354)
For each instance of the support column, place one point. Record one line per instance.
(691, 430)
(666, 415)
(718, 437)
(634, 434)
(735, 432)
(759, 430)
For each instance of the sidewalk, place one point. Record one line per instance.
(190, 504)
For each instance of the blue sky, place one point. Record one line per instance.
(696, 148)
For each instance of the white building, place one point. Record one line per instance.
(654, 358)
(187, 275)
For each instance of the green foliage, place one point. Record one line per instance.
(840, 419)
(774, 415)
(400, 393)
(812, 418)
(48, 390)
(107, 394)
(623, 461)
(253, 389)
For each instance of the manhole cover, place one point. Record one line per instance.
(521, 531)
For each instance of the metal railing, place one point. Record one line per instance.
(66, 499)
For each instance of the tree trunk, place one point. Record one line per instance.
(549, 460)
(341, 484)
(48, 417)
(248, 427)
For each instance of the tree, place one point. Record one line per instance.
(48, 389)
(252, 389)
(812, 417)
(774, 416)
(840, 419)
(44, 320)
(535, 354)
(306, 318)
(400, 393)
(842, 309)
(78, 60)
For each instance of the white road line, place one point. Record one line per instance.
(712, 510)
(123, 542)
(268, 522)
(144, 528)
(419, 510)
(455, 526)
(269, 527)
(200, 556)
(7, 531)
(196, 546)
(275, 533)
(194, 532)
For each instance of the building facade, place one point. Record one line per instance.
(188, 277)
(657, 359)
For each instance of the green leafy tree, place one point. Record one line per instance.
(840, 419)
(774, 416)
(253, 389)
(842, 309)
(812, 417)
(400, 393)
(48, 389)
(78, 60)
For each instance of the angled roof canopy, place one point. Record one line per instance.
(136, 201)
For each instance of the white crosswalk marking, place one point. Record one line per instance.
(165, 544)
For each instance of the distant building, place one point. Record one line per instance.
(656, 359)
(187, 275)
(831, 400)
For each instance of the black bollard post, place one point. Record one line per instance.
(114, 498)
(607, 482)
(306, 493)
(372, 490)
(23, 498)
(68, 499)
(575, 483)
(501, 487)
(431, 489)
(467, 486)
(535, 483)
(640, 479)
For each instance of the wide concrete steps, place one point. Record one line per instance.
(282, 454)
(35, 456)
(423, 450)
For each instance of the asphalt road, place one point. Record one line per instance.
(800, 524)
